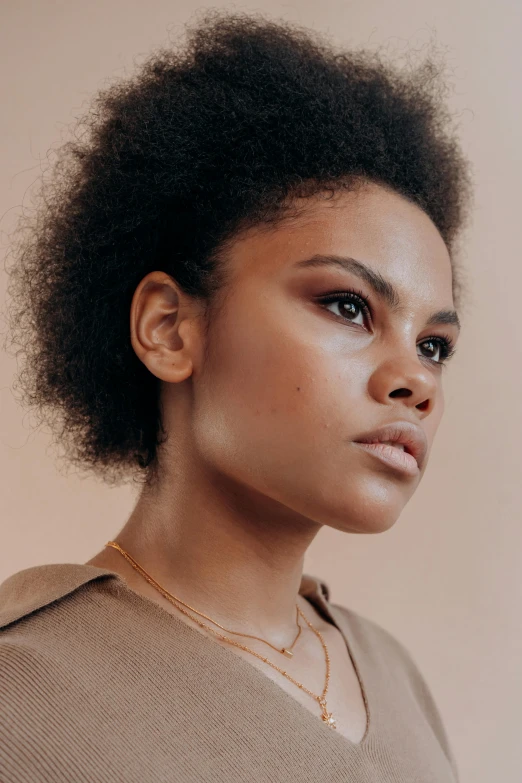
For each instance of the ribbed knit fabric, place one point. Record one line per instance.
(99, 685)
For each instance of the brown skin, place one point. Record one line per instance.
(261, 416)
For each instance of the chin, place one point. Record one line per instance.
(365, 516)
(369, 525)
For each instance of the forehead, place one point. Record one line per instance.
(372, 224)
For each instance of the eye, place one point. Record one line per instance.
(441, 347)
(353, 306)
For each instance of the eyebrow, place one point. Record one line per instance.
(382, 287)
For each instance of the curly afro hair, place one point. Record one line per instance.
(165, 168)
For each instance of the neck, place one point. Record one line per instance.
(235, 558)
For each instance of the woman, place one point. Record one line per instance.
(240, 292)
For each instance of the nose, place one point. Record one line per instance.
(406, 378)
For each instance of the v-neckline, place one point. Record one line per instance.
(311, 590)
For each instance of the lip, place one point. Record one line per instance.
(392, 456)
(411, 436)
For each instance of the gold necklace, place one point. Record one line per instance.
(326, 716)
(285, 650)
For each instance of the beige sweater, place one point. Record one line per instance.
(99, 684)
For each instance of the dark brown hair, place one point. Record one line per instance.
(165, 168)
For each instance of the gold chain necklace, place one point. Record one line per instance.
(326, 716)
(285, 650)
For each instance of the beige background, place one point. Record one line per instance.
(446, 580)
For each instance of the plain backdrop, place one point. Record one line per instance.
(446, 579)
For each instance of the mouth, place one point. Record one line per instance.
(394, 455)
(401, 445)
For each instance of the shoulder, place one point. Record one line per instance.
(32, 589)
(387, 654)
(40, 613)
(40, 609)
(46, 621)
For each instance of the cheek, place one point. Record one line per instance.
(257, 373)
(269, 399)
(276, 410)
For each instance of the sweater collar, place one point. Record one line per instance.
(33, 588)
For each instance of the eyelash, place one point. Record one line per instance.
(445, 342)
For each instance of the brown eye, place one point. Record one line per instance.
(350, 306)
(437, 349)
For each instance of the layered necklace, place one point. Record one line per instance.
(326, 716)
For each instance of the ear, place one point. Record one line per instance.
(164, 325)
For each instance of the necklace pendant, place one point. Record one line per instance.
(327, 717)
(288, 653)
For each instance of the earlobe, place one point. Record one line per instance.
(169, 362)
(172, 368)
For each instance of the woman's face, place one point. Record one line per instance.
(289, 383)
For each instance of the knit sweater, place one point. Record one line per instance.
(99, 684)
